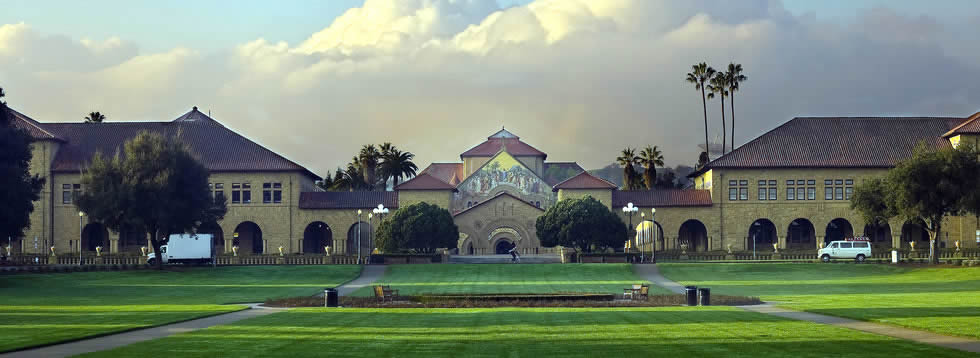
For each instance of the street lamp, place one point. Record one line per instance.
(370, 228)
(643, 234)
(81, 214)
(629, 209)
(656, 233)
(380, 211)
(358, 236)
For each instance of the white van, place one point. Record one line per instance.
(856, 248)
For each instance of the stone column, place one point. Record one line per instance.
(228, 244)
(782, 242)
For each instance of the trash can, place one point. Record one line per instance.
(704, 297)
(692, 295)
(330, 297)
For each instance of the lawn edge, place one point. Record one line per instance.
(880, 322)
(110, 333)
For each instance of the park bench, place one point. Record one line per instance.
(637, 291)
(385, 293)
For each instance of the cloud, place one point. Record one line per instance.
(577, 79)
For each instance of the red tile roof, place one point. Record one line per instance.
(834, 142)
(500, 140)
(500, 194)
(347, 199)
(218, 148)
(34, 128)
(425, 181)
(451, 173)
(970, 126)
(584, 180)
(662, 198)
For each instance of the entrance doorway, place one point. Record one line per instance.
(503, 246)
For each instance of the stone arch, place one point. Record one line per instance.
(131, 239)
(217, 235)
(838, 229)
(762, 235)
(94, 234)
(800, 234)
(880, 234)
(645, 234)
(316, 235)
(915, 231)
(367, 241)
(694, 234)
(503, 245)
(248, 238)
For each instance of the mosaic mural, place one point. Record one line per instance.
(503, 173)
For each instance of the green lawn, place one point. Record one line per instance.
(942, 300)
(527, 332)
(510, 278)
(44, 308)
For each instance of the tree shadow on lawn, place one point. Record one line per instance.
(903, 312)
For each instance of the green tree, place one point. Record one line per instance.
(700, 74)
(927, 187)
(350, 178)
(734, 78)
(18, 188)
(584, 224)
(154, 184)
(368, 159)
(627, 158)
(719, 87)
(94, 117)
(396, 164)
(420, 227)
(651, 158)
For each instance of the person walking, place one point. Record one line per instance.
(514, 256)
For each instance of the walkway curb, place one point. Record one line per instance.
(652, 274)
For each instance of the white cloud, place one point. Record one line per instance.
(578, 79)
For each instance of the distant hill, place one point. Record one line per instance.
(614, 174)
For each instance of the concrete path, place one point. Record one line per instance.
(652, 274)
(369, 274)
(122, 339)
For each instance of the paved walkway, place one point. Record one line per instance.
(122, 339)
(652, 274)
(370, 274)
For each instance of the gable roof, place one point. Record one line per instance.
(425, 181)
(451, 173)
(33, 128)
(218, 148)
(662, 198)
(970, 126)
(495, 197)
(347, 199)
(499, 141)
(500, 153)
(584, 180)
(838, 142)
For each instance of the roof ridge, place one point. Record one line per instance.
(491, 159)
(973, 118)
(585, 172)
(34, 123)
(502, 193)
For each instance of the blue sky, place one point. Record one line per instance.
(215, 25)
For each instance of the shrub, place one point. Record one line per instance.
(420, 227)
(584, 224)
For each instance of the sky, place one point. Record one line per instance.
(578, 79)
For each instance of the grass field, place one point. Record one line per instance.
(942, 300)
(44, 308)
(509, 278)
(527, 332)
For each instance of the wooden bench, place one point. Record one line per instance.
(637, 292)
(385, 293)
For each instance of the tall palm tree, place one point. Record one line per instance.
(700, 74)
(368, 159)
(719, 86)
(95, 117)
(651, 158)
(349, 178)
(735, 78)
(386, 148)
(396, 164)
(627, 158)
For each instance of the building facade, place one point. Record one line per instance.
(789, 188)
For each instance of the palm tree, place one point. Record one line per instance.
(735, 78)
(95, 117)
(719, 85)
(627, 158)
(386, 148)
(349, 179)
(397, 164)
(368, 159)
(702, 73)
(651, 158)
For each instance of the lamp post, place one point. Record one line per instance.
(81, 214)
(371, 229)
(656, 234)
(643, 234)
(629, 209)
(358, 236)
(380, 212)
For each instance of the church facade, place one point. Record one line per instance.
(787, 189)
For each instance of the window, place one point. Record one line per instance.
(733, 193)
(236, 193)
(772, 193)
(66, 194)
(791, 194)
(838, 193)
(811, 193)
(76, 190)
(767, 190)
(743, 193)
(219, 192)
(271, 193)
(811, 182)
(796, 190)
(828, 193)
(246, 193)
(738, 190)
(762, 193)
(848, 191)
(266, 193)
(860, 244)
(845, 245)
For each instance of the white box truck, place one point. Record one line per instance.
(186, 249)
